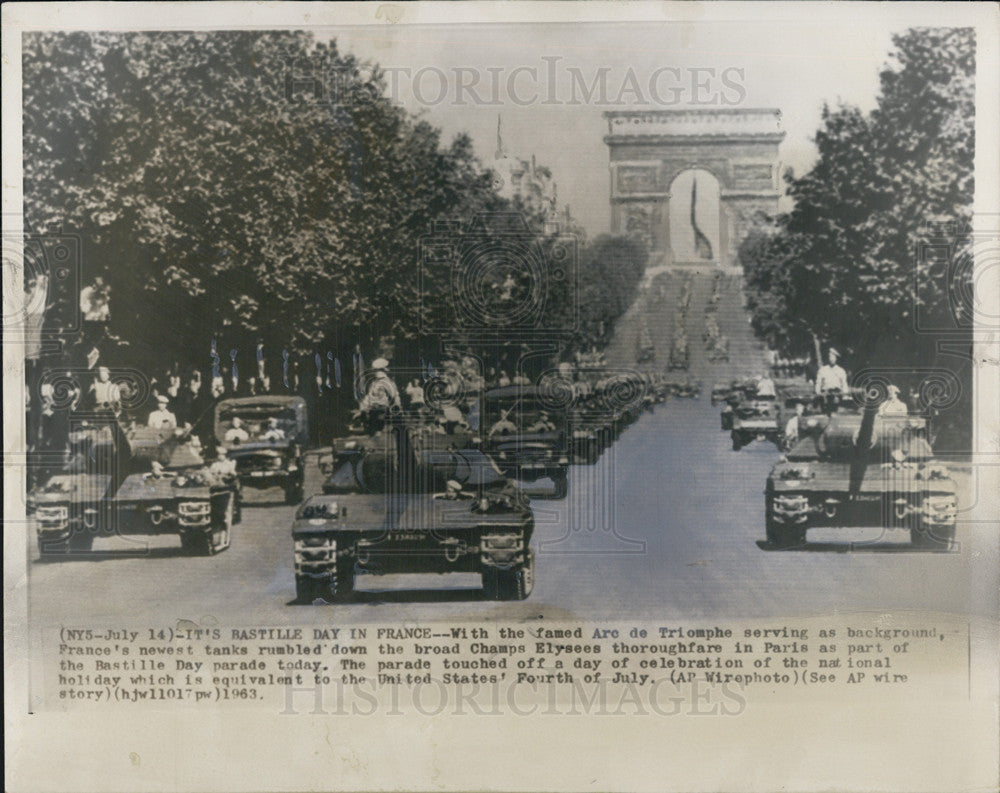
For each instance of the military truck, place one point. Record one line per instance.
(526, 437)
(861, 469)
(265, 436)
(388, 508)
(136, 481)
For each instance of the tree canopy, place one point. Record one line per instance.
(845, 266)
(244, 185)
(209, 197)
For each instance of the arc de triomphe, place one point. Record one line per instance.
(649, 149)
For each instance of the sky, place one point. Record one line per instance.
(543, 83)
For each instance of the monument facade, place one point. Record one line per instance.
(649, 150)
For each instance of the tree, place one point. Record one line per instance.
(611, 269)
(218, 197)
(844, 266)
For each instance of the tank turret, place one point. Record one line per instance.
(849, 469)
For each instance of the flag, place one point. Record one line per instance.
(702, 247)
(500, 154)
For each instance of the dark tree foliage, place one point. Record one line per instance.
(249, 186)
(611, 269)
(215, 201)
(845, 266)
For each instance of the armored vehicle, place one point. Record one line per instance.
(849, 469)
(645, 349)
(591, 431)
(720, 391)
(799, 399)
(265, 436)
(69, 499)
(754, 418)
(685, 388)
(139, 481)
(732, 394)
(658, 387)
(679, 357)
(447, 429)
(387, 508)
(526, 437)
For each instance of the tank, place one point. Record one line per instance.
(388, 507)
(731, 394)
(137, 481)
(861, 469)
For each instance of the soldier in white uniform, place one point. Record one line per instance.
(273, 431)
(792, 428)
(765, 386)
(831, 377)
(162, 418)
(237, 433)
(893, 406)
(381, 398)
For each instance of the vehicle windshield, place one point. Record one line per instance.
(263, 423)
(525, 415)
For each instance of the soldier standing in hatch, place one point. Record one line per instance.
(831, 378)
(893, 405)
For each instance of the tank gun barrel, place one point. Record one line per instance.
(863, 444)
(867, 429)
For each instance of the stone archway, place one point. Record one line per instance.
(650, 149)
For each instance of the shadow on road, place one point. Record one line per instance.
(111, 555)
(377, 597)
(852, 547)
